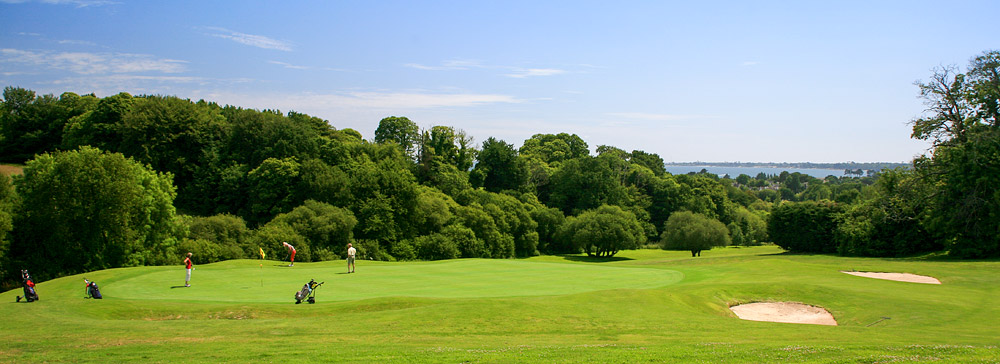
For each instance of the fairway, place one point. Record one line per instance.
(642, 306)
(252, 281)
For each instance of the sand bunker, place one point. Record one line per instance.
(902, 277)
(788, 312)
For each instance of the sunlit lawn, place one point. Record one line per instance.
(645, 305)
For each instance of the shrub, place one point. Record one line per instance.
(436, 247)
(806, 227)
(685, 230)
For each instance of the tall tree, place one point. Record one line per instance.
(499, 167)
(604, 231)
(32, 125)
(554, 149)
(685, 230)
(399, 130)
(962, 122)
(111, 211)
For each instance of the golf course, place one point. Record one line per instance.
(641, 306)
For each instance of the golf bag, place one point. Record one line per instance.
(308, 292)
(29, 287)
(92, 290)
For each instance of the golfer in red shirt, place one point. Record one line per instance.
(291, 250)
(187, 263)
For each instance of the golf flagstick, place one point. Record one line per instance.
(262, 255)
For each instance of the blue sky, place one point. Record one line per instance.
(782, 81)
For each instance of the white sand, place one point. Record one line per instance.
(788, 312)
(902, 277)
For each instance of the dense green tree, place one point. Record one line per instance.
(32, 125)
(817, 192)
(383, 197)
(511, 218)
(804, 227)
(111, 212)
(435, 210)
(553, 149)
(588, 182)
(217, 237)
(549, 220)
(499, 167)
(436, 246)
(7, 203)
(270, 236)
(495, 243)
(398, 130)
(444, 144)
(962, 122)
(743, 179)
(327, 228)
(271, 189)
(706, 195)
(604, 231)
(254, 136)
(889, 223)
(685, 230)
(99, 127)
(445, 157)
(469, 246)
(324, 183)
(652, 161)
(751, 225)
(171, 135)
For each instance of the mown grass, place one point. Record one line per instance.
(645, 306)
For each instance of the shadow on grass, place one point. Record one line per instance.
(939, 256)
(589, 259)
(182, 286)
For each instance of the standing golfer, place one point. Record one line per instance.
(291, 250)
(189, 266)
(351, 252)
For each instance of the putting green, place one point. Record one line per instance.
(248, 281)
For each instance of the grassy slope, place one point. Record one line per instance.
(651, 306)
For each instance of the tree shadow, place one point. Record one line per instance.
(590, 259)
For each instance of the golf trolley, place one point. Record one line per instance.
(29, 287)
(308, 292)
(92, 291)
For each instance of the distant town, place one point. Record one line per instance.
(805, 165)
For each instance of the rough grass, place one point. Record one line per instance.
(10, 169)
(645, 306)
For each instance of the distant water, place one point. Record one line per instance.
(753, 171)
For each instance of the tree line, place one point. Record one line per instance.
(137, 180)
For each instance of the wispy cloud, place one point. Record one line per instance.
(654, 117)
(413, 100)
(289, 65)
(450, 65)
(252, 40)
(348, 102)
(305, 68)
(123, 79)
(91, 63)
(76, 42)
(77, 3)
(463, 65)
(534, 72)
